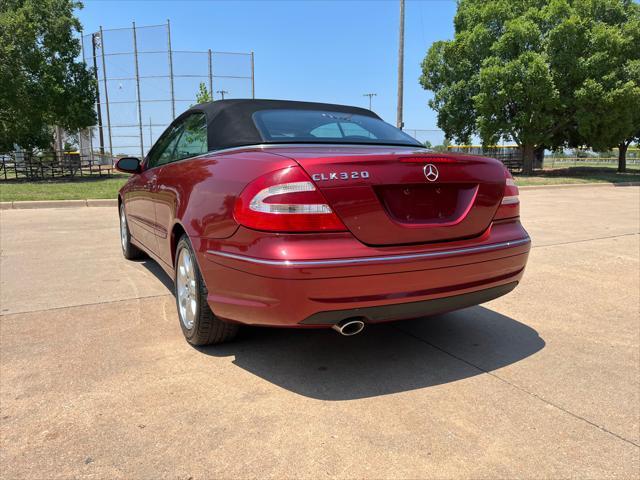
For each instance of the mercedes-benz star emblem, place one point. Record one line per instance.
(431, 172)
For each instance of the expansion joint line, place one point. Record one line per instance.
(532, 394)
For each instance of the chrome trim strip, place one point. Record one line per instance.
(266, 146)
(347, 261)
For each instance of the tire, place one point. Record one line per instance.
(130, 251)
(199, 324)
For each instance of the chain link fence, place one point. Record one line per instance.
(143, 84)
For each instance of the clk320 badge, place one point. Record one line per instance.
(318, 177)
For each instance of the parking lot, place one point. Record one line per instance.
(97, 380)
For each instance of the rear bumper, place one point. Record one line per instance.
(315, 281)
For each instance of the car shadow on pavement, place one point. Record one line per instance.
(155, 269)
(384, 359)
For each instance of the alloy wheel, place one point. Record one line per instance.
(186, 288)
(123, 229)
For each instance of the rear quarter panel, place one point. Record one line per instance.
(199, 194)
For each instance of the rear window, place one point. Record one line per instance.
(317, 126)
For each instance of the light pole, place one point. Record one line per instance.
(399, 122)
(94, 41)
(222, 92)
(369, 95)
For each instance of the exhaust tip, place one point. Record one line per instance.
(349, 326)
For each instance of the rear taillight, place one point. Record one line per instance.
(510, 205)
(285, 201)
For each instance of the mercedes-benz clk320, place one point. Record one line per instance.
(310, 215)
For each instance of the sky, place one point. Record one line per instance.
(330, 51)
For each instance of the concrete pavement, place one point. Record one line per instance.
(97, 381)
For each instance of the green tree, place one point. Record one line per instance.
(514, 70)
(43, 83)
(203, 94)
(608, 102)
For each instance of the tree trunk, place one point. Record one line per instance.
(622, 157)
(539, 157)
(59, 133)
(528, 155)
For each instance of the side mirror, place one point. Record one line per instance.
(128, 165)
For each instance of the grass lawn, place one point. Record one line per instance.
(80, 188)
(579, 175)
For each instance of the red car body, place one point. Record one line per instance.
(408, 245)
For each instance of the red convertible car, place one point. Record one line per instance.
(296, 214)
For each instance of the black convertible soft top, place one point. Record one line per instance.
(231, 122)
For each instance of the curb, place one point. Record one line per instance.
(100, 202)
(579, 185)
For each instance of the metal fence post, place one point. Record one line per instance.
(135, 56)
(89, 129)
(253, 78)
(80, 142)
(98, 103)
(173, 97)
(106, 90)
(210, 74)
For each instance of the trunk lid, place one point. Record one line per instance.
(402, 195)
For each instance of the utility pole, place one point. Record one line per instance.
(399, 122)
(369, 95)
(222, 92)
